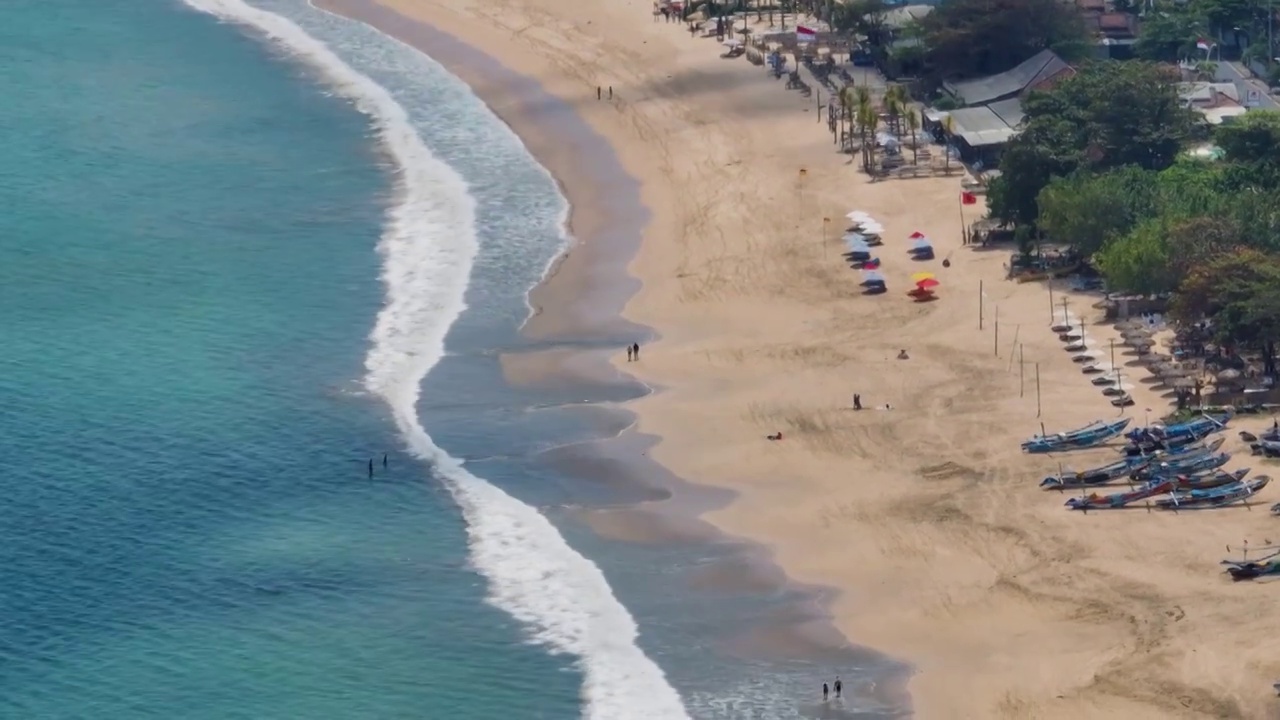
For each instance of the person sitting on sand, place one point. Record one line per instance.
(775, 436)
(857, 401)
(902, 355)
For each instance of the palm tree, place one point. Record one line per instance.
(896, 100)
(913, 124)
(848, 102)
(863, 109)
(869, 120)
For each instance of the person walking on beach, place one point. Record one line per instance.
(630, 354)
(857, 401)
(839, 686)
(635, 351)
(825, 692)
(370, 468)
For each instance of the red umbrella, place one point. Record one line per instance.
(927, 283)
(916, 235)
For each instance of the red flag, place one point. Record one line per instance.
(968, 198)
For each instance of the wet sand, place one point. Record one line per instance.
(925, 516)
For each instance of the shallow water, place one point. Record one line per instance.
(227, 267)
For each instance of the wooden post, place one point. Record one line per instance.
(1037, 389)
(1022, 373)
(1014, 345)
(1051, 305)
(980, 304)
(997, 337)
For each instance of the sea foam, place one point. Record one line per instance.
(428, 247)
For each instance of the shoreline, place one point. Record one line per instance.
(923, 518)
(580, 298)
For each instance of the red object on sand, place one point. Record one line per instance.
(873, 264)
(927, 283)
(968, 198)
(916, 235)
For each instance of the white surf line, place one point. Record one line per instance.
(428, 247)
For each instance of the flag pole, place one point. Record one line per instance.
(964, 234)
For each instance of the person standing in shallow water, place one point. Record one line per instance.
(839, 686)
(370, 468)
(825, 691)
(635, 351)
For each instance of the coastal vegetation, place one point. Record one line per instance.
(1115, 181)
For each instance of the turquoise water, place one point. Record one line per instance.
(188, 278)
(232, 256)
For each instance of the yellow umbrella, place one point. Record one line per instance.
(921, 276)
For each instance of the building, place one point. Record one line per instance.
(1036, 73)
(993, 106)
(1116, 31)
(1216, 101)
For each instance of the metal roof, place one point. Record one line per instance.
(1041, 66)
(980, 126)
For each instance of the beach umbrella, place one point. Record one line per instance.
(921, 245)
(859, 216)
(871, 227)
(849, 237)
(857, 245)
(872, 264)
(871, 278)
(732, 42)
(921, 276)
(1228, 376)
(928, 283)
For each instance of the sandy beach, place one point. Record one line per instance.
(927, 516)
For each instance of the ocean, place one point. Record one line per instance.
(246, 251)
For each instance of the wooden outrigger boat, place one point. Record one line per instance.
(1090, 435)
(1185, 466)
(1119, 500)
(1216, 497)
(1096, 476)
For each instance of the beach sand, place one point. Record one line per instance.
(927, 517)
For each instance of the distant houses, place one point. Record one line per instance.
(1217, 102)
(991, 107)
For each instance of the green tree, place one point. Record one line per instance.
(968, 38)
(1251, 137)
(1241, 292)
(1139, 262)
(864, 17)
(1170, 35)
(1078, 124)
(1089, 211)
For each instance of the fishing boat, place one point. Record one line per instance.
(1096, 476)
(1092, 434)
(1119, 500)
(1215, 497)
(1253, 570)
(1191, 449)
(1199, 427)
(1185, 466)
(1216, 479)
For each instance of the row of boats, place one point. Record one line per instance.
(1177, 463)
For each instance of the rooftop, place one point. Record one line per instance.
(1043, 66)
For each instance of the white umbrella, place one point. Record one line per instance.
(732, 42)
(872, 227)
(860, 216)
